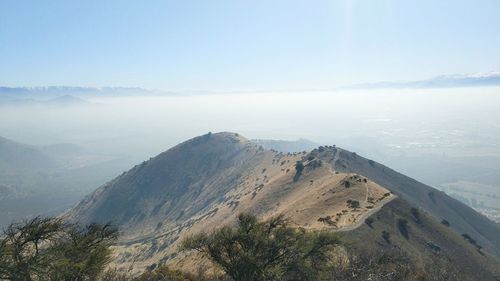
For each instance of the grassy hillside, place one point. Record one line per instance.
(463, 219)
(431, 245)
(205, 182)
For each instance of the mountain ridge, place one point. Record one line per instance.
(481, 79)
(206, 181)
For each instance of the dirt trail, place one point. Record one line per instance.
(361, 219)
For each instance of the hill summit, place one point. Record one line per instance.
(205, 182)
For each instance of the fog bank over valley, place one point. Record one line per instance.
(446, 137)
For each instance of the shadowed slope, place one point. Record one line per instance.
(430, 245)
(463, 219)
(172, 186)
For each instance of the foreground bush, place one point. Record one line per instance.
(268, 250)
(49, 249)
(163, 273)
(46, 249)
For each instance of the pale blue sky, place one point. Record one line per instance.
(243, 45)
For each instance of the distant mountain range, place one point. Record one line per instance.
(66, 100)
(443, 81)
(51, 92)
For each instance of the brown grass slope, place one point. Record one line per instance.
(430, 245)
(205, 182)
(463, 219)
(317, 199)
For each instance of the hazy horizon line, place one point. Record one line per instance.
(491, 78)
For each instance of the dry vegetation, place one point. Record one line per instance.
(318, 198)
(252, 250)
(213, 178)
